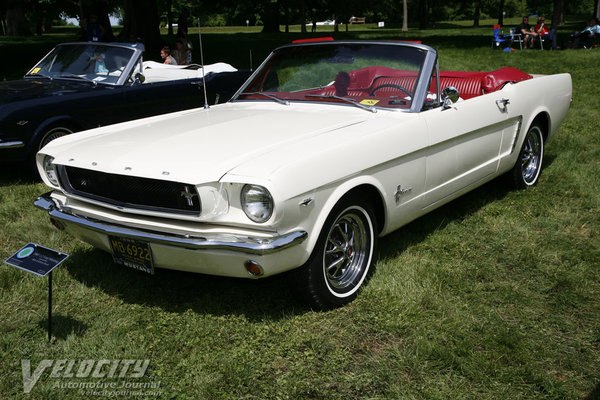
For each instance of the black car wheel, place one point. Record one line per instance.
(343, 258)
(528, 167)
(53, 133)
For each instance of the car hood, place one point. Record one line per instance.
(32, 88)
(201, 145)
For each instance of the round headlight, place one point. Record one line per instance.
(50, 170)
(257, 203)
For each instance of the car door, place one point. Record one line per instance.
(464, 144)
(163, 97)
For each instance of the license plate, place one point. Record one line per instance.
(132, 253)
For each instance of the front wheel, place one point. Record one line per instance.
(343, 258)
(51, 133)
(528, 167)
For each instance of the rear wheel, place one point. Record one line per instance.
(343, 258)
(528, 167)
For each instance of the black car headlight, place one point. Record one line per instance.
(257, 203)
(50, 170)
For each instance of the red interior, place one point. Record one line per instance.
(380, 84)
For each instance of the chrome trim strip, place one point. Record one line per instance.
(11, 145)
(243, 244)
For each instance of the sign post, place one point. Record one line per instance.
(40, 261)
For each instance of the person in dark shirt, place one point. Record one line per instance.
(528, 34)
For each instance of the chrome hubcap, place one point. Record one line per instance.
(54, 134)
(346, 251)
(531, 155)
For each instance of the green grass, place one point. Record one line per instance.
(494, 296)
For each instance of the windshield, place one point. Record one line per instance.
(95, 62)
(371, 74)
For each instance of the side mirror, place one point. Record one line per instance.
(450, 95)
(139, 79)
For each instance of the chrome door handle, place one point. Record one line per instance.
(502, 105)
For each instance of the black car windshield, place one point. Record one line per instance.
(369, 74)
(86, 61)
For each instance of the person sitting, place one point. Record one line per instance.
(525, 30)
(341, 83)
(586, 36)
(165, 54)
(542, 30)
(99, 66)
(180, 54)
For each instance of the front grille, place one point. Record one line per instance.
(131, 192)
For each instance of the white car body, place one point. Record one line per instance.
(308, 155)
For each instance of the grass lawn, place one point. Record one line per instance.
(493, 296)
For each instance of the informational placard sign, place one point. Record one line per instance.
(40, 261)
(36, 259)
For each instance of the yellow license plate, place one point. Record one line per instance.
(132, 253)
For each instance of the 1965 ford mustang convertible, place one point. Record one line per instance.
(328, 146)
(79, 86)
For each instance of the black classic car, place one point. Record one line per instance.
(79, 86)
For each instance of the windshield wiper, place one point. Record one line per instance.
(347, 100)
(39, 74)
(69, 75)
(270, 96)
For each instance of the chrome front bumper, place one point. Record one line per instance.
(242, 244)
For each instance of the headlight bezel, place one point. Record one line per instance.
(257, 203)
(50, 170)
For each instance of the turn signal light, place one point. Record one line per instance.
(253, 268)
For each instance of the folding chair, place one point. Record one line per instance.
(516, 37)
(499, 38)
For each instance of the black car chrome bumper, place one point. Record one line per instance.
(11, 145)
(243, 244)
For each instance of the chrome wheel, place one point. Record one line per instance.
(53, 133)
(346, 249)
(343, 258)
(531, 155)
(527, 169)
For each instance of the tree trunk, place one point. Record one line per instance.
(423, 10)
(141, 20)
(597, 9)
(404, 16)
(558, 13)
(170, 16)
(501, 13)
(271, 17)
(303, 16)
(16, 24)
(477, 13)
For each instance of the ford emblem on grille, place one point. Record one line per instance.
(188, 195)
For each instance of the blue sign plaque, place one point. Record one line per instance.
(38, 260)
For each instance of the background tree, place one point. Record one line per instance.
(16, 23)
(404, 15)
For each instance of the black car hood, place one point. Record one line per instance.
(32, 88)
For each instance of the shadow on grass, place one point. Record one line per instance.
(63, 326)
(176, 291)
(595, 394)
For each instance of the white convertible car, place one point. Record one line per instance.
(328, 146)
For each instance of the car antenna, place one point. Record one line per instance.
(202, 64)
(250, 60)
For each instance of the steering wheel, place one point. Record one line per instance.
(389, 85)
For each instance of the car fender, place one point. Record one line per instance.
(41, 128)
(339, 191)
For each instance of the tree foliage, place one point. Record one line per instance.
(25, 17)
